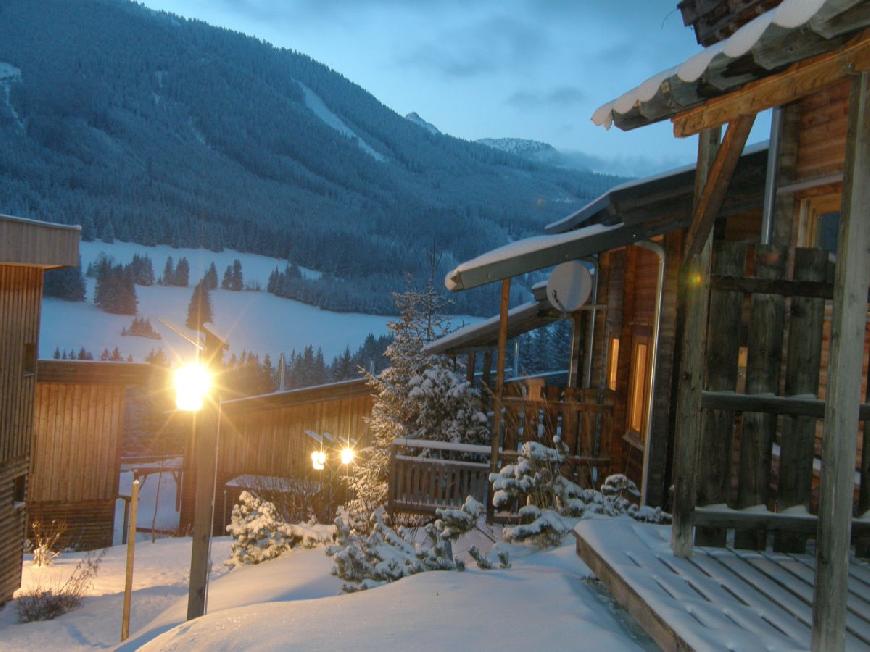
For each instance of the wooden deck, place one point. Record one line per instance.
(721, 598)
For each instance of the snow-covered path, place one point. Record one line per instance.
(544, 602)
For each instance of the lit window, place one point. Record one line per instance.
(613, 364)
(638, 386)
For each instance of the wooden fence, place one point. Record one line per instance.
(766, 354)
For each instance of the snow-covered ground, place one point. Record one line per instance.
(253, 321)
(544, 602)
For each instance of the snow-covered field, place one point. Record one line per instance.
(544, 602)
(253, 321)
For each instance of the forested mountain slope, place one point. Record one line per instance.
(147, 127)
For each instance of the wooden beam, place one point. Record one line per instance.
(750, 519)
(716, 184)
(576, 349)
(795, 406)
(844, 379)
(495, 436)
(797, 81)
(687, 419)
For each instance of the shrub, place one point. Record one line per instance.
(46, 603)
(45, 541)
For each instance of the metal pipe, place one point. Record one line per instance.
(590, 332)
(773, 150)
(659, 251)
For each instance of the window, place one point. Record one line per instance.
(613, 363)
(820, 222)
(19, 490)
(637, 399)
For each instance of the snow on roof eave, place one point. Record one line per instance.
(603, 202)
(535, 253)
(467, 333)
(790, 14)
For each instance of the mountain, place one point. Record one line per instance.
(151, 128)
(531, 150)
(417, 120)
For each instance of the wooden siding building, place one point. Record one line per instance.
(624, 363)
(27, 249)
(772, 346)
(267, 437)
(78, 428)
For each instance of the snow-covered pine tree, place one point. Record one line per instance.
(418, 396)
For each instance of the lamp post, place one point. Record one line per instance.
(192, 386)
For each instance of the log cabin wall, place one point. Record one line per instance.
(267, 435)
(20, 294)
(78, 432)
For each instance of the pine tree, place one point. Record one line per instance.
(115, 291)
(417, 396)
(168, 277)
(233, 279)
(107, 234)
(211, 277)
(182, 273)
(65, 283)
(199, 310)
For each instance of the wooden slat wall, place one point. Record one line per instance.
(77, 442)
(822, 134)
(20, 294)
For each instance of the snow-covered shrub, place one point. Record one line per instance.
(453, 523)
(486, 562)
(260, 533)
(45, 541)
(535, 479)
(382, 554)
(46, 603)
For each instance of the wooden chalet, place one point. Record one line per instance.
(771, 342)
(615, 412)
(267, 440)
(78, 429)
(27, 249)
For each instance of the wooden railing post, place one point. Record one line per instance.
(687, 424)
(495, 439)
(844, 379)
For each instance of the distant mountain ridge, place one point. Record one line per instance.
(151, 128)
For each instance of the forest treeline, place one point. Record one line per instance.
(146, 127)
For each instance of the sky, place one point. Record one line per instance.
(489, 68)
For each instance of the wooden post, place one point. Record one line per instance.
(205, 433)
(486, 378)
(763, 364)
(862, 545)
(576, 349)
(495, 439)
(797, 445)
(469, 367)
(131, 545)
(844, 379)
(721, 359)
(687, 423)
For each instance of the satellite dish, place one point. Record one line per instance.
(569, 286)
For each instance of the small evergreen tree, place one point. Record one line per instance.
(115, 291)
(211, 277)
(233, 279)
(182, 273)
(168, 277)
(65, 283)
(199, 310)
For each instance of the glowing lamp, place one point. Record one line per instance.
(318, 460)
(192, 383)
(347, 455)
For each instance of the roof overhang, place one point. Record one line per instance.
(31, 243)
(794, 31)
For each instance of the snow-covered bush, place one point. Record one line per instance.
(487, 562)
(535, 479)
(382, 554)
(45, 541)
(260, 533)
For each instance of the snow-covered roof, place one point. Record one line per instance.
(640, 186)
(529, 254)
(794, 30)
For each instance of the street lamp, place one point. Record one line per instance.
(192, 384)
(318, 460)
(347, 455)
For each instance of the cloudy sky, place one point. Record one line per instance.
(488, 68)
